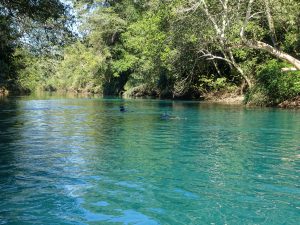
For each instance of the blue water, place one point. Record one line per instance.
(82, 161)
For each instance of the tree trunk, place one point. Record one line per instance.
(264, 46)
(275, 52)
(239, 69)
(271, 23)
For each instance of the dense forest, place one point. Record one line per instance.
(163, 48)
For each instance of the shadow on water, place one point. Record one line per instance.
(10, 122)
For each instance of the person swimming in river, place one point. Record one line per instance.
(122, 109)
(166, 116)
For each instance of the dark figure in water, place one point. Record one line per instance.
(165, 116)
(122, 109)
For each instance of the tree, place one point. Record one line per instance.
(219, 21)
(235, 25)
(261, 45)
(26, 21)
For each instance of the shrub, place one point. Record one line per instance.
(274, 86)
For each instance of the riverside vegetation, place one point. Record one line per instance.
(168, 49)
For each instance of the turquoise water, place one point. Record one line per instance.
(81, 161)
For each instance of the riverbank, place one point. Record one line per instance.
(230, 98)
(293, 103)
(224, 97)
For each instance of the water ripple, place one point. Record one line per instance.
(81, 161)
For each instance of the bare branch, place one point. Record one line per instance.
(270, 22)
(273, 51)
(193, 8)
(247, 18)
(255, 14)
(224, 18)
(289, 69)
(210, 56)
(211, 18)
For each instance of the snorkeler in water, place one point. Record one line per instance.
(122, 109)
(165, 116)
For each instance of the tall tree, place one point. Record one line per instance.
(262, 45)
(235, 25)
(27, 21)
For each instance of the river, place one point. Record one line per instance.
(82, 161)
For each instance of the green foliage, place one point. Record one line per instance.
(212, 84)
(7, 46)
(171, 49)
(274, 86)
(81, 70)
(37, 10)
(35, 73)
(35, 24)
(145, 42)
(31, 73)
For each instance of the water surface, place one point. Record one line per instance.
(81, 161)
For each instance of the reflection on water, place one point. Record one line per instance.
(81, 161)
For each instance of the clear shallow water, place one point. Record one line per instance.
(81, 161)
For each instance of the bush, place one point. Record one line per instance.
(215, 84)
(274, 86)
